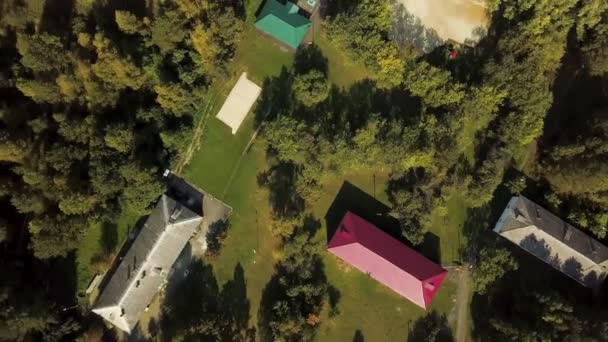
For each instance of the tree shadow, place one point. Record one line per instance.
(217, 233)
(431, 247)
(196, 309)
(358, 337)
(352, 199)
(276, 98)
(56, 17)
(153, 328)
(334, 296)
(310, 57)
(281, 180)
(432, 327)
(109, 237)
(409, 31)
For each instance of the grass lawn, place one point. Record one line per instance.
(364, 304)
(249, 231)
(343, 71)
(97, 238)
(448, 229)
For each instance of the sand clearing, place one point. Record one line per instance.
(451, 19)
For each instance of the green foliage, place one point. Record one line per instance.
(481, 187)
(54, 236)
(168, 30)
(311, 88)
(40, 91)
(128, 23)
(595, 52)
(364, 30)
(41, 52)
(493, 263)
(434, 86)
(289, 137)
(293, 311)
(478, 109)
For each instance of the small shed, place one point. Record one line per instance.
(283, 21)
(239, 102)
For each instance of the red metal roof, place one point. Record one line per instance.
(369, 249)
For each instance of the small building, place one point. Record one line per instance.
(284, 21)
(239, 102)
(554, 241)
(145, 267)
(384, 258)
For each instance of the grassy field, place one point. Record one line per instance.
(365, 305)
(447, 228)
(99, 239)
(250, 243)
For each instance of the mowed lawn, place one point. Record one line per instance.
(99, 239)
(365, 305)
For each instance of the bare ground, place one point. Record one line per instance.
(458, 20)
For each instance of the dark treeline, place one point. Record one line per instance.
(96, 99)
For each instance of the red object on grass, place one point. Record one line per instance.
(405, 271)
(453, 54)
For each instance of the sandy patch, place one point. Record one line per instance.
(459, 20)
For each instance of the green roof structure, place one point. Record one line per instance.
(283, 22)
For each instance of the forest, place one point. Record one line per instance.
(99, 97)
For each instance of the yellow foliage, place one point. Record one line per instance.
(201, 41)
(84, 39)
(418, 159)
(69, 86)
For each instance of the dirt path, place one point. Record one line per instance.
(238, 163)
(196, 139)
(462, 302)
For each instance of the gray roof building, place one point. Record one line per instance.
(554, 241)
(146, 265)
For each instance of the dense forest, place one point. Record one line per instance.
(99, 97)
(96, 101)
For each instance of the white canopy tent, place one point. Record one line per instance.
(239, 103)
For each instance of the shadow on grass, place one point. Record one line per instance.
(281, 180)
(196, 308)
(351, 198)
(109, 237)
(309, 58)
(432, 327)
(358, 336)
(431, 247)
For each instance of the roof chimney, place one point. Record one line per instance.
(176, 212)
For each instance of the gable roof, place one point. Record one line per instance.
(554, 241)
(387, 260)
(283, 22)
(146, 265)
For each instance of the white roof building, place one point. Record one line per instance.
(554, 241)
(239, 102)
(146, 265)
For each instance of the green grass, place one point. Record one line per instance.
(366, 305)
(343, 70)
(448, 229)
(211, 166)
(91, 244)
(249, 231)
(385, 315)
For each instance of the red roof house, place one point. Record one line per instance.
(405, 271)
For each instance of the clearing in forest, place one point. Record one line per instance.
(457, 20)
